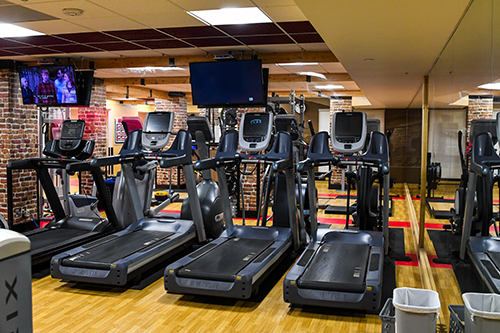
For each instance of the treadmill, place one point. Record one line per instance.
(64, 231)
(344, 268)
(482, 249)
(126, 257)
(235, 264)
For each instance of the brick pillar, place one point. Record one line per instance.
(96, 117)
(18, 141)
(338, 105)
(480, 107)
(177, 105)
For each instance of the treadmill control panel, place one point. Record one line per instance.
(71, 134)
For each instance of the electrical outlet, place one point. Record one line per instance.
(23, 212)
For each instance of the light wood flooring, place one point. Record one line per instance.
(69, 307)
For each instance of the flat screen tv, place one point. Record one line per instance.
(48, 85)
(228, 83)
(84, 83)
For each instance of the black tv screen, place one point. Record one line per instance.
(48, 85)
(227, 83)
(84, 83)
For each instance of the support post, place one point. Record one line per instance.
(423, 162)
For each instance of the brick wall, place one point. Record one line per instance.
(338, 105)
(480, 107)
(96, 117)
(18, 141)
(177, 105)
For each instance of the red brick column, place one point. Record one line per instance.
(96, 118)
(480, 107)
(338, 105)
(18, 141)
(177, 105)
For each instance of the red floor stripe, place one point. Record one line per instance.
(433, 264)
(399, 224)
(413, 262)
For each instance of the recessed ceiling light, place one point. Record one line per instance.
(321, 76)
(10, 30)
(330, 87)
(221, 16)
(297, 64)
(151, 70)
(490, 86)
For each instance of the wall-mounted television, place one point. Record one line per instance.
(228, 83)
(84, 83)
(48, 85)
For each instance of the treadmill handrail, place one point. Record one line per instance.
(115, 159)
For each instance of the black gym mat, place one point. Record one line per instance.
(440, 208)
(447, 246)
(397, 245)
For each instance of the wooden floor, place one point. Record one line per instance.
(69, 307)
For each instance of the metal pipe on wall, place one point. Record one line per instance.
(423, 162)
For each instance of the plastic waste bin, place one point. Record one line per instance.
(15, 283)
(417, 310)
(482, 312)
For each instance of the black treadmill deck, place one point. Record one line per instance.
(51, 237)
(337, 267)
(226, 260)
(105, 254)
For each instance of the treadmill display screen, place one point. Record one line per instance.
(349, 125)
(72, 130)
(255, 126)
(158, 122)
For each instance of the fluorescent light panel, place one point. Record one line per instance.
(490, 86)
(10, 30)
(231, 16)
(330, 87)
(297, 64)
(321, 76)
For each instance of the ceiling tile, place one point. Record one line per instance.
(42, 40)
(212, 4)
(31, 50)
(251, 29)
(180, 52)
(307, 38)
(262, 3)
(5, 53)
(214, 41)
(297, 27)
(109, 23)
(174, 19)
(284, 13)
(141, 34)
(15, 14)
(162, 44)
(54, 27)
(54, 8)
(89, 37)
(3, 3)
(314, 47)
(190, 32)
(272, 39)
(277, 48)
(116, 46)
(143, 7)
(9, 43)
(75, 48)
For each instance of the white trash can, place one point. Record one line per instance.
(15, 283)
(482, 312)
(417, 310)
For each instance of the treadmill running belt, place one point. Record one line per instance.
(226, 260)
(337, 267)
(103, 255)
(495, 258)
(53, 237)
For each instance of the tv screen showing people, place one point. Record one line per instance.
(49, 85)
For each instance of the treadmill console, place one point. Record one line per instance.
(71, 135)
(287, 123)
(348, 132)
(157, 129)
(255, 131)
(200, 124)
